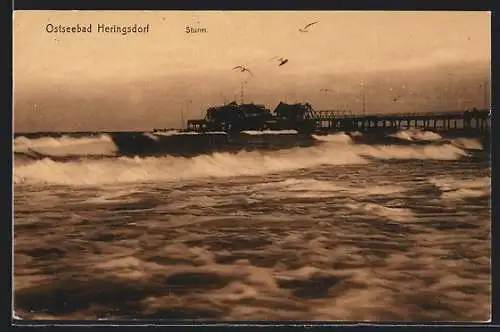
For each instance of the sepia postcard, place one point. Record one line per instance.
(231, 166)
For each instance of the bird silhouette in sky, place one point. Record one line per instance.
(281, 61)
(396, 99)
(325, 90)
(243, 69)
(306, 27)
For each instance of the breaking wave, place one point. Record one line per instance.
(270, 132)
(467, 143)
(416, 135)
(174, 143)
(101, 145)
(451, 189)
(177, 133)
(337, 151)
(312, 188)
(336, 138)
(394, 214)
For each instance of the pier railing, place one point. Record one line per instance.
(439, 120)
(335, 114)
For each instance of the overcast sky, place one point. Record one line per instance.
(342, 42)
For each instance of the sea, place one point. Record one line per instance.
(388, 229)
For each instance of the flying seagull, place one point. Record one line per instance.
(396, 99)
(243, 69)
(282, 61)
(304, 29)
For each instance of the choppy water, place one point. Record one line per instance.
(339, 231)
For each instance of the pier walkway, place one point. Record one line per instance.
(328, 120)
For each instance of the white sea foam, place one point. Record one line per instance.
(467, 143)
(416, 135)
(152, 136)
(101, 145)
(317, 188)
(178, 133)
(334, 138)
(456, 189)
(394, 214)
(270, 132)
(435, 152)
(169, 168)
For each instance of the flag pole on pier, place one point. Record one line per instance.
(486, 104)
(182, 116)
(242, 92)
(363, 97)
(484, 86)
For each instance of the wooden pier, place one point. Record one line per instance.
(326, 121)
(303, 118)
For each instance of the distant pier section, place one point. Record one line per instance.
(475, 119)
(303, 118)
